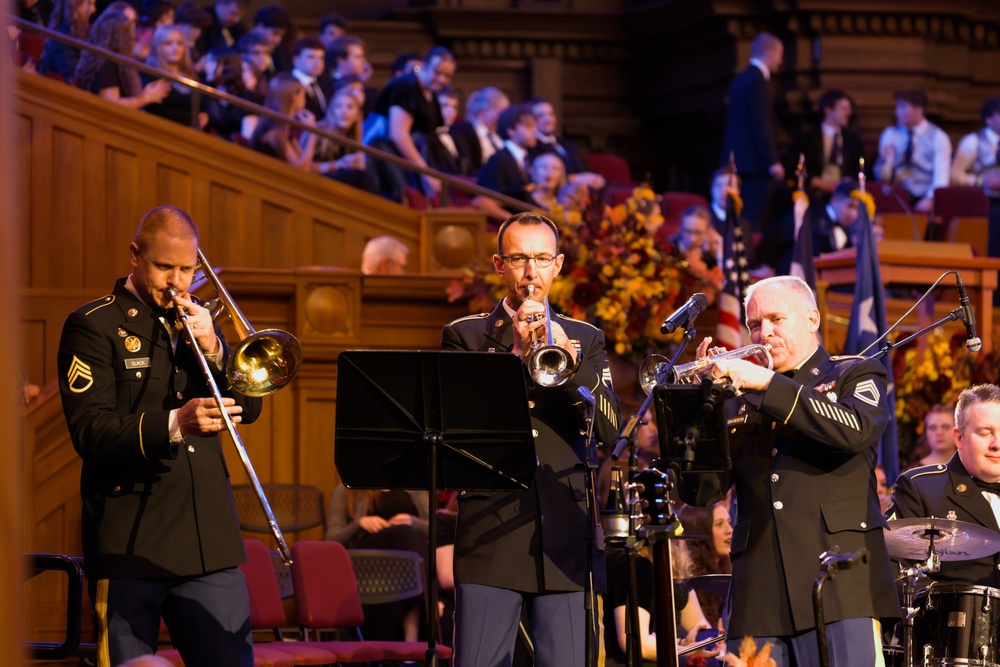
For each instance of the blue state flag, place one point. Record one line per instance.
(868, 322)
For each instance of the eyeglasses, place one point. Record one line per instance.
(520, 261)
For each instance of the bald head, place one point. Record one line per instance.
(171, 220)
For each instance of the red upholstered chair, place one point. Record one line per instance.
(31, 46)
(326, 597)
(614, 168)
(415, 199)
(885, 201)
(675, 203)
(960, 200)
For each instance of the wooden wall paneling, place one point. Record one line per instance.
(43, 313)
(224, 226)
(21, 158)
(317, 402)
(328, 244)
(38, 212)
(65, 237)
(122, 213)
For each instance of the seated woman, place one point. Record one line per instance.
(69, 17)
(227, 119)
(709, 556)
(407, 106)
(152, 15)
(688, 612)
(382, 520)
(169, 51)
(286, 95)
(115, 32)
(339, 162)
(549, 190)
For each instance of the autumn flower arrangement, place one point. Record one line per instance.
(617, 274)
(937, 375)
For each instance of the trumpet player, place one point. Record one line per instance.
(803, 439)
(160, 534)
(528, 549)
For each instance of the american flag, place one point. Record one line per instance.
(730, 331)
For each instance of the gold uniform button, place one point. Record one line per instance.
(864, 524)
(117, 489)
(732, 430)
(774, 477)
(191, 448)
(961, 488)
(778, 505)
(534, 432)
(180, 396)
(138, 374)
(531, 405)
(774, 425)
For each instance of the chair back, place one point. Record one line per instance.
(387, 575)
(326, 595)
(960, 200)
(295, 507)
(614, 168)
(675, 203)
(266, 610)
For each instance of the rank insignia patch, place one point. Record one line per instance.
(79, 377)
(868, 392)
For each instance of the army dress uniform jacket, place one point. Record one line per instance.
(151, 508)
(804, 454)
(536, 540)
(948, 492)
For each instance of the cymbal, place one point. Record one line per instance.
(953, 540)
(711, 583)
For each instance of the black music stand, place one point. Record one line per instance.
(435, 421)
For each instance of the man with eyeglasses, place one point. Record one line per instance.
(528, 549)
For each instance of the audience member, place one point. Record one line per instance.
(476, 137)
(507, 170)
(115, 32)
(125, 8)
(937, 443)
(978, 151)
(355, 86)
(831, 223)
(256, 53)
(336, 160)
(914, 153)
(227, 119)
(408, 106)
(152, 15)
(331, 27)
(274, 21)
(346, 60)
(72, 18)
(441, 151)
(196, 19)
(700, 246)
(286, 95)
(35, 11)
(832, 151)
(225, 28)
(405, 63)
(308, 62)
(751, 130)
(882, 488)
(169, 53)
(382, 520)
(547, 141)
(710, 556)
(384, 256)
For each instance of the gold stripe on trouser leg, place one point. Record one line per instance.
(101, 607)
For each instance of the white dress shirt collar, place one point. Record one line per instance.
(759, 64)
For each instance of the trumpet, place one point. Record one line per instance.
(548, 364)
(263, 362)
(692, 372)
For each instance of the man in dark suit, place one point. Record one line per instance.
(831, 223)
(967, 488)
(529, 548)
(476, 137)
(832, 151)
(507, 170)
(751, 129)
(160, 534)
(308, 65)
(546, 124)
(804, 441)
(225, 29)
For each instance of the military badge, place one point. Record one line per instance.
(132, 344)
(132, 312)
(867, 392)
(826, 386)
(121, 332)
(79, 377)
(952, 515)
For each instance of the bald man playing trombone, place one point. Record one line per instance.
(160, 534)
(803, 437)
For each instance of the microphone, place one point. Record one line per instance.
(587, 396)
(889, 191)
(968, 318)
(686, 313)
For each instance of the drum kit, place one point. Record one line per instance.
(944, 624)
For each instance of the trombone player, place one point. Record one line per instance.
(160, 534)
(528, 549)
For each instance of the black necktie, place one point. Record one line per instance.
(318, 94)
(168, 315)
(991, 487)
(908, 153)
(837, 153)
(789, 374)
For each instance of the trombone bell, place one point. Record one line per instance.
(264, 362)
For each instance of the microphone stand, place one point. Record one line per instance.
(888, 189)
(596, 532)
(888, 346)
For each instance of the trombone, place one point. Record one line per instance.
(262, 363)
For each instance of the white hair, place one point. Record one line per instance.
(379, 248)
(793, 283)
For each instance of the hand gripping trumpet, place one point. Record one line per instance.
(694, 371)
(548, 364)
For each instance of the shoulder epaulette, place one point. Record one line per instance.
(933, 469)
(97, 304)
(476, 316)
(573, 319)
(845, 357)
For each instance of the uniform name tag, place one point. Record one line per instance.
(138, 362)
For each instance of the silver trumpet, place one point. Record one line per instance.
(693, 372)
(548, 364)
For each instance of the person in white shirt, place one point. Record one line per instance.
(914, 153)
(978, 151)
(476, 137)
(308, 63)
